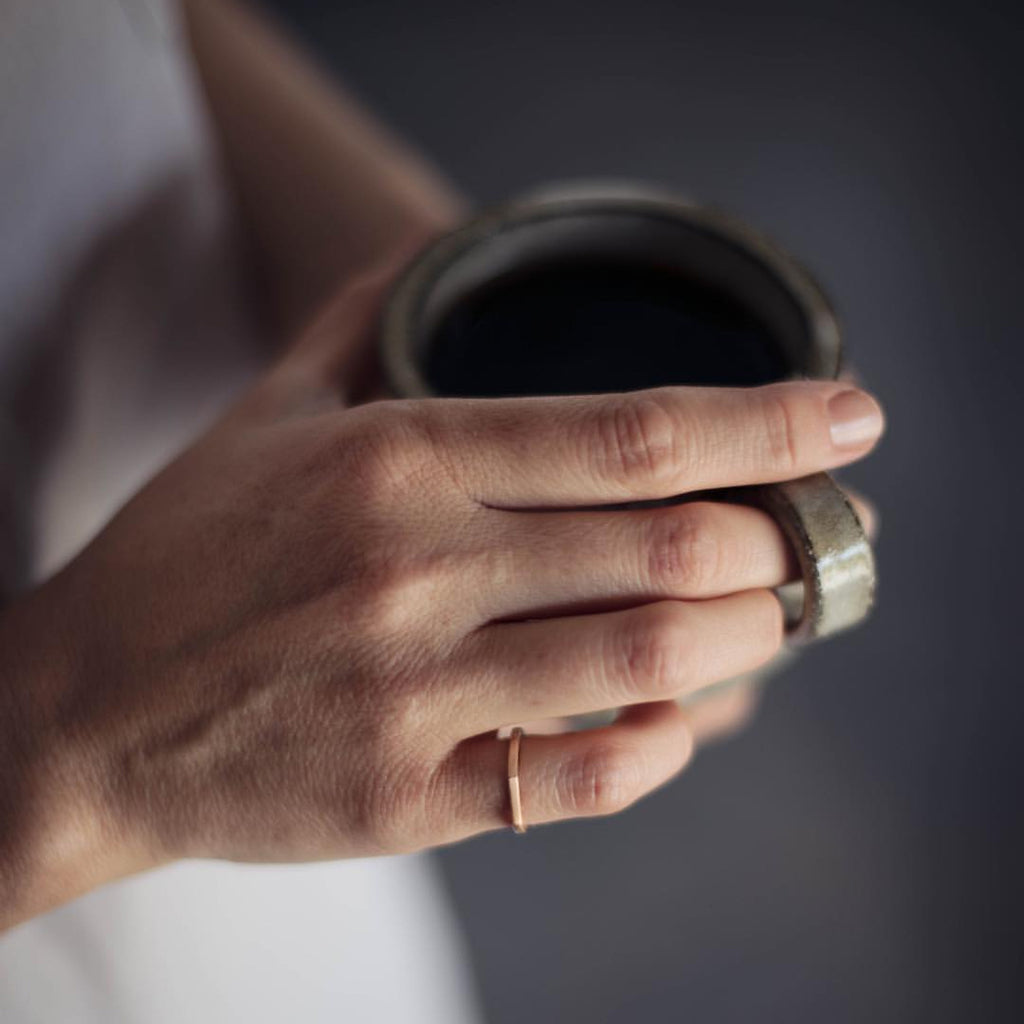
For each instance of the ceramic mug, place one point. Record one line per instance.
(608, 288)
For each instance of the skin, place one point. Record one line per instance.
(298, 640)
(323, 190)
(349, 195)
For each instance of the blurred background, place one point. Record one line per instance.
(856, 855)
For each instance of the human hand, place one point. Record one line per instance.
(297, 641)
(719, 712)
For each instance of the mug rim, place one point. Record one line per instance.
(404, 306)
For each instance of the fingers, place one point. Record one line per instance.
(866, 512)
(537, 452)
(572, 775)
(545, 668)
(721, 713)
(569, 560)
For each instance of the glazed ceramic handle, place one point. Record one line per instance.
(833, 550)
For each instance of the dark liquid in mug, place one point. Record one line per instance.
(578, 327)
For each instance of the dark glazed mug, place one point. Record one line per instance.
(588, 288)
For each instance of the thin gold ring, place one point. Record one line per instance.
(514, 742)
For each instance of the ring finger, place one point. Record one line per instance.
(546, 668)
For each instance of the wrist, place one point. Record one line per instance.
(56, 840)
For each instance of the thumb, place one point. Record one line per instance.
(335, 358)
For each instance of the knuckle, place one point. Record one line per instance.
(382, 449)
(383, 810)
(443, 446)
(652, 662)
(683, 549)
(637, 439)
(602, 780)
(385, 802)
(396, 590)
(780, 429)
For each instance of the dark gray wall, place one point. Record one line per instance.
(857, 855)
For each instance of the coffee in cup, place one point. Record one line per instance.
(600, 289)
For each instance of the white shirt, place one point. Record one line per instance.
(123, 331)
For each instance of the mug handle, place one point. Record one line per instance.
(833, 551)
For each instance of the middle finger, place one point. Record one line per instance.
(547, 668)
(565, 562)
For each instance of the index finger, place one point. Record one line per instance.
(642, 445)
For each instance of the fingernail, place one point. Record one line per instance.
(855, 418)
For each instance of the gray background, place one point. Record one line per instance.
(856, 855)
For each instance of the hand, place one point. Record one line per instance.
(297, 641)
(721, 711)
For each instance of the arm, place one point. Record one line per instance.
(297, 641)
(322, 188)
(322, 191)
(55, 842)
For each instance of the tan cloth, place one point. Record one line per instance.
(123, 330)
